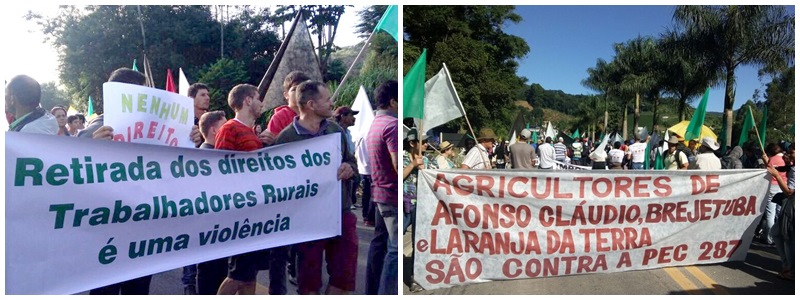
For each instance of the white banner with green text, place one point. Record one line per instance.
(82, 214)
(478, 226)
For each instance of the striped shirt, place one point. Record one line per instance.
(381, 141)
(234, 135)
(561, 151)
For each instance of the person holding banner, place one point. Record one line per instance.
(281, 118)
(284, 115)
(382, 148)
(412, 163)
(237, 134)
(774, 157)
(210, 274)
(96, 130)
(478, 156)
(783, 231)
(341, 252)
(23, 95)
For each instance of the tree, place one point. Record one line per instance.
(730, 36)
(53, 96)
(93, 41)
(780, 104)
(636, 61)
(379, 65)
(684, 75)
(482, 59)
(324, 20)
(600, 80)
(221, 77)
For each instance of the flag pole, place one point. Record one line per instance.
(461, 106)
(349, 70)
(757, 134)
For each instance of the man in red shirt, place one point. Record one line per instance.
(284, 114)
(238, 134)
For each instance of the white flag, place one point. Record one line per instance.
(183, 84)
(441, 101)
(550, 131)
(513, 138)
(364, 117)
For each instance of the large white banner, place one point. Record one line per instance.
(483, 226)
(146, 115)
(93, 213)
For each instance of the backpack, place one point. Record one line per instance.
(677, 157)
(727, 162)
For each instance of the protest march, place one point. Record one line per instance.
(215, 180)
(510, 185)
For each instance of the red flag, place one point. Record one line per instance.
(170, 82)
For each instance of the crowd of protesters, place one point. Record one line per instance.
(307, 113)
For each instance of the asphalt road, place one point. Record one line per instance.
(755, 276)
(169, 282)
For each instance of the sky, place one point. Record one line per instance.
(31, 56)
(565, 41)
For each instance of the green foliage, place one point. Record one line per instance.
(53, 96)
(780, 102)
(221, 77)
(324, 23)
(482, 59)
(95, 40)
(732, 35)
(379, 66)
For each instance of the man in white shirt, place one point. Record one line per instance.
(547, 154)
(636, 154)
(615, 156)
(707, 160)
(478, 156)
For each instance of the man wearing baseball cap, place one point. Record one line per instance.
(522, 154)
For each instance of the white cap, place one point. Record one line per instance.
(525, 133)
(710, 143)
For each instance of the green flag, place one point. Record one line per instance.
(647, 157)
(91, 108)
(762, 127)
(659, 164)
(699, 116)
(388, 22)
(747, 125)
(414, 89)
(134, 66)
(576, 134)
(535, 137)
